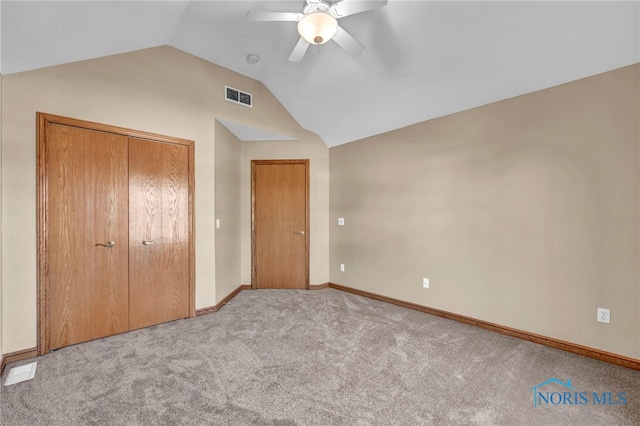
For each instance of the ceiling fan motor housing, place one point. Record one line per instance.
(312, 6)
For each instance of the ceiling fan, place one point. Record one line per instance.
(318, 23)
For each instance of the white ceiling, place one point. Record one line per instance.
(422, 59)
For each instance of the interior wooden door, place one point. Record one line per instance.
(87, 234)
(280, 218)
(159, 232)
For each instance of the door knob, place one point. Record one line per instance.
(299, 232)
(149, 242)
(108, 244)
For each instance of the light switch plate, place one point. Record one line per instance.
(341, 221)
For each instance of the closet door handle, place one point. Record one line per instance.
(299, 232)
(108, 244)
(149, 242)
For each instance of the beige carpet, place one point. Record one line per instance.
(278, 357)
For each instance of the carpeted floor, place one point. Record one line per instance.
(287, 357)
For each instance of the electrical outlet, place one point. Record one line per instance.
(604, 315)
(425, 283)
(342, 267)
(341, 221)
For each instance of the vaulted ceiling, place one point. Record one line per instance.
(422, 59)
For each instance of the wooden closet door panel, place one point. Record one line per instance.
(87, 204)
(159, 232)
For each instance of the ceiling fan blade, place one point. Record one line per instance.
(258, 15)
(347, 42)
(351, 7)
(299, 50)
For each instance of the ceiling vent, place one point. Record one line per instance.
(237, 96)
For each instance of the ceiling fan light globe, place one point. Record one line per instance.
(317, 27)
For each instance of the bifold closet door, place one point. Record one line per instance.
(87, 193)
(158, 232)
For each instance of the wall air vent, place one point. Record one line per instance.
(237, 96)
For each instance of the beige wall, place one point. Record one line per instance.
(524, 213)
(227, 202)
(1, 220)
(316, 151)
(1, 226)
(160, 90)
